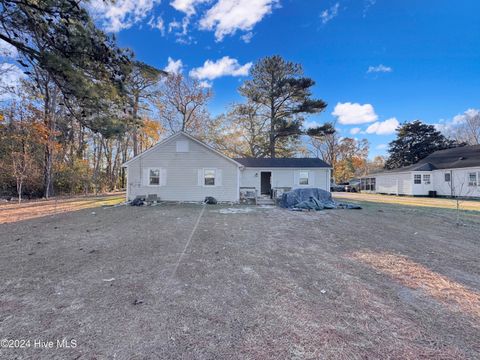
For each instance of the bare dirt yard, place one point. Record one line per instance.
(186, 281)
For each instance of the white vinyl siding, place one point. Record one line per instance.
(286, 177)
(180, 175)
(182, 146)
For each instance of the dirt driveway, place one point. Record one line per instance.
(188, 282)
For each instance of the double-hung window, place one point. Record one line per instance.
(417, 179)
(303, 178)
(472, 179)
(448, 178)
(154, 177)
(426, 179)
(209, 177)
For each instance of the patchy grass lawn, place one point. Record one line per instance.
(215, 282)
(441, 203)
(12, 212)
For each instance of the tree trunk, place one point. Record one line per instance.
(135, 125)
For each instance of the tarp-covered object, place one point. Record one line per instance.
(312, 199)
(292, 198)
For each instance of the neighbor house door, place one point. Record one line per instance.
(265, 183)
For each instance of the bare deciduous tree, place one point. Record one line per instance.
(181, 104)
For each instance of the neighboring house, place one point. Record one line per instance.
(450, 172)
(182, 168)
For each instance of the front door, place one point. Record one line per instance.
(265, 183)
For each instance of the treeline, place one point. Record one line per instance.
(86, 106)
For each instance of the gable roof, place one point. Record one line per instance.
(459, 157)
(170, 138)
(283, 162)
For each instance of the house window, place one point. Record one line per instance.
(154, 177)
(182, 146)
(303, 178)
(447, 177)
(472, 179)
(209, 177)
(426, 179)
(417, 179)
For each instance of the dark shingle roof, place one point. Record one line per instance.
(283, 162)
(459, 157)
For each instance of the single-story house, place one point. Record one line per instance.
(450, 172)
(183, 168)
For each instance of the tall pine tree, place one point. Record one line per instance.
(283, 97)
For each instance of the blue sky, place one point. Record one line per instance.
(375, 62)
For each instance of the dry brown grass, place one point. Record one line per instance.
(417, 276)
(441, 203)
(30, 210)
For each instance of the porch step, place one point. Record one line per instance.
(265, 201)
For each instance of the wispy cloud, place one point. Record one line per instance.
(367, 5)
(157, 23)
(354, 113)
(121, 14)
(379, 69)
(247, 37)
(225, 66)
(355, 130)
(328, 14)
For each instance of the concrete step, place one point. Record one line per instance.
(263, 201)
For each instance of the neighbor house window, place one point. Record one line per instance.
(154, 177)
(303, 178)
(472, 179)
(209, 177)
(426, 179)
(182, 146)
(417, 179)
(447, 177)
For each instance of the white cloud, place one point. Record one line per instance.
(174, 66)
(379, 69)
(205, 84)
(10, 78)
(354, 113)
(462, 118)
(386, 127)
(186, 6)
(247, 37)
(367, 6)
(7, 50)
(225, 66)
(355, 130)
(157, 23)
(121, 14)
(328, 14)
(228, 16)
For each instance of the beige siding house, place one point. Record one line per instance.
(182, 168)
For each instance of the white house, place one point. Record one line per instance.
(182, 168)
(450, 172)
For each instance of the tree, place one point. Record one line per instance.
(139, 84)
(415, 141)
(325, 141)
(282, 97)
(466, 128)
(351, 159)
(181, 104)
(60, 38)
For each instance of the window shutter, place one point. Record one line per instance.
(200, 177)
(218, 177)
(146, 177)
(163, 177)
